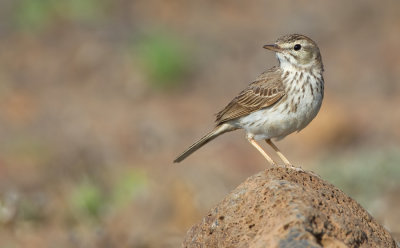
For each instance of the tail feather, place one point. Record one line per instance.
(217, 131)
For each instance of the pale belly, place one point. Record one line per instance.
(278, 121)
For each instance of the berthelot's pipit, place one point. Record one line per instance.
(282, 100)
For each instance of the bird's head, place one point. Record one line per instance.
(296, 50)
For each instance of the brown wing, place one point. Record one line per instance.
(263, 92)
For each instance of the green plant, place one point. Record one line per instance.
(83, 10)
(128, 186)
(87, 199)
(36, 15)
(33, 15)
(164, 58)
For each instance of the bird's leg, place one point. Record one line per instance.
(258, 147)
(284, 159)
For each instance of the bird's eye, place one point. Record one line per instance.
(297, 47)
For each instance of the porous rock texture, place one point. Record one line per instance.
(282, 207)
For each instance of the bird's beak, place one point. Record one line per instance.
(273, 47)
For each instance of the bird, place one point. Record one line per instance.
(282, 100)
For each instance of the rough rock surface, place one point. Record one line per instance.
(287, 208)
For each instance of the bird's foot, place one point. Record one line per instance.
(292, 167)
(287, 166)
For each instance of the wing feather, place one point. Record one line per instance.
(264, 92)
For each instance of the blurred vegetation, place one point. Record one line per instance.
(164, 58)
(36, 15)
(128, 186)
(27, 149)
(87, 200)
(364, 176)
(31, 210)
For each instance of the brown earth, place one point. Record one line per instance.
(282, 207)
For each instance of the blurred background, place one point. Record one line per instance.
(97, 97)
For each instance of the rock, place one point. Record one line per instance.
(283, 207)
